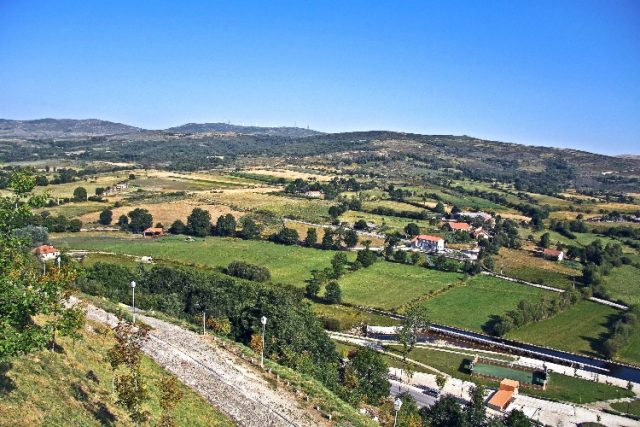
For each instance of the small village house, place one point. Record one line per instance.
(553, 254)
(479, 233)
(473, 215)
(428, 243)
(153, 232)
(47, 252)
(314, 194)
(504, 395)
(458, 226)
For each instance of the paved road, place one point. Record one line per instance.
(230, 384)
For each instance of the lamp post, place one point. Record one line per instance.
(133, 299)
(59, 259)
(397, 404)
(204, 321)
(263, 320)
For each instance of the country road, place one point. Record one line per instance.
(227, 382)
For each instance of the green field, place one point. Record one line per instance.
(288, 264)
(579, 329)
(632, 407)
(622, 284)
(631, 352)
(472, 305)
(389, 285)
(57, 389)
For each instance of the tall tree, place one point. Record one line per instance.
(106, 216)
(26, 293)
(199, 223)
(312, 237)
(250, 229)
(139, 220)
(225, 225)
(80, 194)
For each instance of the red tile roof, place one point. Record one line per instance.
(459, 226)
(46, 249)
(552, 252)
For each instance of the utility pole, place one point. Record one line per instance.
(263, 320)
(133, 299)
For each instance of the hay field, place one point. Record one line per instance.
(167, 213)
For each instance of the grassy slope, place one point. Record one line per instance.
(579, 329)
(54, 389)
(388, 285)
(288, 264)
(471, 306)
(621, 283)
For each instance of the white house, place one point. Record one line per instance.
(47, 252)
(428, 243)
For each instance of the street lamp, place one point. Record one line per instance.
(263, 320)
(133, 298)
(59, 259)
(397, 404)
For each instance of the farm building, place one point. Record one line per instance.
(473, 215)
(314, 194)
(553, 254)
(46, 252)
(479, 233)
(428, 243)
(504, 396)
(153, 232)
(458, 226)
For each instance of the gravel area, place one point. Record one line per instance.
(225, 380)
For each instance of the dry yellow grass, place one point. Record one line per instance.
(515, 217)
(167, 213)
(289, 174)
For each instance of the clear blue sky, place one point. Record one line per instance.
(560, 73)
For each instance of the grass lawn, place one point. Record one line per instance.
(525, 265)
(350, 317)
(631, 352)
(622, 284)
(472, 305)
(389, 285)
(579, 329)
(74, 387)
(632, 407)
(288, 264)
(74, 209)
(383, 222)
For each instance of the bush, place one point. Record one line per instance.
(286, 236)
(248, 271)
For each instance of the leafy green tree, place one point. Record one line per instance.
(366, 257)
(225, 226)
(439, 208)
(339, 263)
(139, 220)
(199, 223)
(360, 224)
(333, 293)
(250, 230)
(412, 229)
(327, 239)
(42, 181)
(517, 418)
(99, 191)
(170, 396)
(26, 293)
(312, 237)
(475, 411)
(445, 413)
(312, 289)
(370, 372)
(545, 240)
(350, 238)
(75, 225)
(123, 222)
(106, 216)
(178, 227)
(80, 194)
(414, 324)
(286, 236)
(32, 235)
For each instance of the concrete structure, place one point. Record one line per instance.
(314, 194)
(47, 252)
(428, 243)
(473, 215)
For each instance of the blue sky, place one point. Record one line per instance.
(558, 73)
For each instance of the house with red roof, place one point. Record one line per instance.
(428, 243)
(153, 232)
(553, 254)
(46, 252)
(458, 226)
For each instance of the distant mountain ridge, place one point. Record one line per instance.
(61, 128)
(293, 132)
(58, 128)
